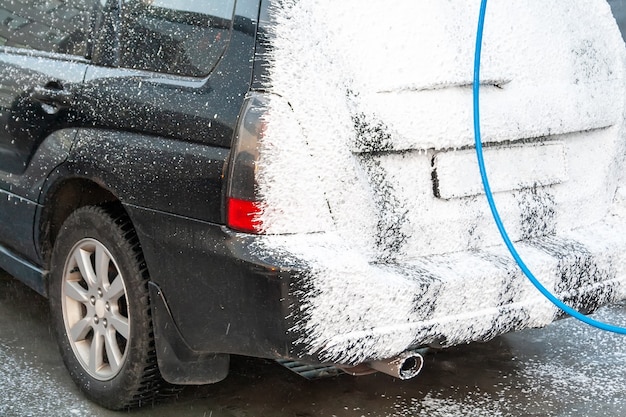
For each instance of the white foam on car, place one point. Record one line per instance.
(371, 103)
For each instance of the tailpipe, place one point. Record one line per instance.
(404, 366)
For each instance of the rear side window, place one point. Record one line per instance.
(46, 25)
(183, 37)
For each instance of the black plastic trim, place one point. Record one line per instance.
(178, 363)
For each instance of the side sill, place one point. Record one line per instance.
(179, 364)
(28, 273)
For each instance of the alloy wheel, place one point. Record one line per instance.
(95, 309)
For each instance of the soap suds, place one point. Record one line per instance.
(365, 97)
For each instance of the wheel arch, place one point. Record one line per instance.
(68, 194)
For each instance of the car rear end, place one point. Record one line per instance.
(354, 173)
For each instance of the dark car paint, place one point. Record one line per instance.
(23, 191)
(175, 113)
(26, 121)
(26, 117)
(159, 144)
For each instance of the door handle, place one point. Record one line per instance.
(52, 97)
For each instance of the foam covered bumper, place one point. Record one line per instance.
(348, 310)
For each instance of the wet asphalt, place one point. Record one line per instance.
(566, 369)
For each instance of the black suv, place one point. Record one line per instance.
(185, 180)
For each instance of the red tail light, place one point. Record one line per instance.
(243, 215)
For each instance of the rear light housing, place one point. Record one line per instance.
(243, 207)
(274, 176)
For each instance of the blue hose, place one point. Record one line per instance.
(492, 205)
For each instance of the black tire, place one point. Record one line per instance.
(99, 303)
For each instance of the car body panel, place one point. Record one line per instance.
(29, 132)
(156, 164)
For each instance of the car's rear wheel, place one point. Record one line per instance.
(100, 308)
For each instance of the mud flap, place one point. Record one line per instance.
(178, 363)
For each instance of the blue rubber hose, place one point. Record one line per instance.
(494, 211)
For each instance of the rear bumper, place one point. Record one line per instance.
(353, 311)
(311, 297)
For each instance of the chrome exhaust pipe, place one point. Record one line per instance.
(404, 366)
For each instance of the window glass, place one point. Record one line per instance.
(46, 25)
(184, 37)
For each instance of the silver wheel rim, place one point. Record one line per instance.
(95, 309)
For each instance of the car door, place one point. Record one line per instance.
(44, 46)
